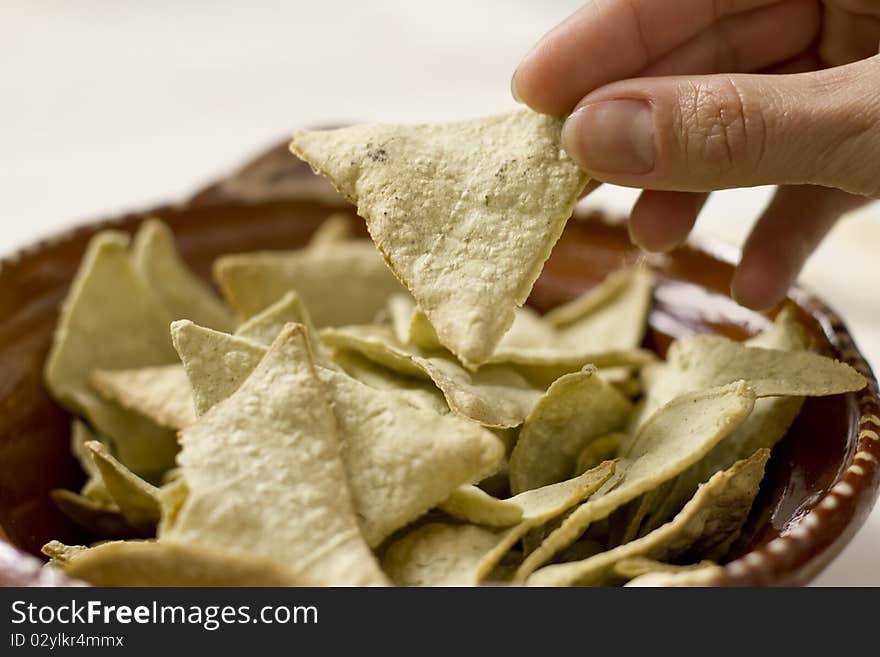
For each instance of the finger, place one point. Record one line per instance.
(713, 132)
(745, 42)
(807, 61)
(661, 221)
(610, 40)
(790, 229)
(848, 36)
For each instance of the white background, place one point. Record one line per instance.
(109, 105)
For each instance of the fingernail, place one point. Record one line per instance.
(513, 88)
(613, 136)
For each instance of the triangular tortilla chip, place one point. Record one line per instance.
(171, 498)
(216, 363)
(473, 505)
(637, 566)
(676, 437)
(466, 213)
(265, 474)
(340, 283)
(138, 501)
(112, 320)
(463, 555)
(601, 449)
(183, 294)
(160, 393)
(402, 460)
(494, 395)
(701, 575)
(103, 520)
(706, 527)
(334, 229)
(151, 564)
(575, 410)
(265, 326)
(60, 554)
(611, 316)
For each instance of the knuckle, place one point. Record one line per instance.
(721, 130)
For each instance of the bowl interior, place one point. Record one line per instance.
(691, 297)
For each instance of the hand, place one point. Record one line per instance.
(727, 93)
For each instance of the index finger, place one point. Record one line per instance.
(608, 40)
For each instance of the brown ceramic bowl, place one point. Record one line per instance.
(821, 481)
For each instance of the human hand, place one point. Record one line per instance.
(682, 97)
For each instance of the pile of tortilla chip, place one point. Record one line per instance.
(354, 416)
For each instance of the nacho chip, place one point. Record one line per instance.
(94, 487)
(216, 363)
(707, 526)
(470, 504)
(494, 395)
(675, 438)
(466, 213)
(334, 229)
(706, 361)
(274, 445)
(101, 519)
(342, 283)
(402, 460)
(112, 320)
(171, 498)
(611, 316)
(60, 554)
(601, 449)
(265, 326)
(184, 295)
(159, 393)
(137, 500)
(419, 392)
(151, 564)
(575, 410)
(703, 574)
(638, 566)
(464, 555)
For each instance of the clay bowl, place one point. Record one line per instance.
(821, 481)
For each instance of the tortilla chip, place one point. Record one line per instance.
(575, 410)
(402, 460)
(101, 519)
(60, 554)
(466, 213)
(171, 498)
(160, 393)
(638, 566)
(676, 437)
(601, 449)
(334, 229)
(703, 574)
(706, 361)
(152, 564)
(94, 487)
(137, 500)
(265, 326)
(112, 320)
(419, 392)
(611, 316)
(184, 295)
(342, 283)
(464, 555)
(471, 504)
(216, 363)
(495, 396)
(706, 526)
(274, 445)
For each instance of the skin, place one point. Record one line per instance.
(700, 95)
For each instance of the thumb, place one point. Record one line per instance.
(700, 133)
